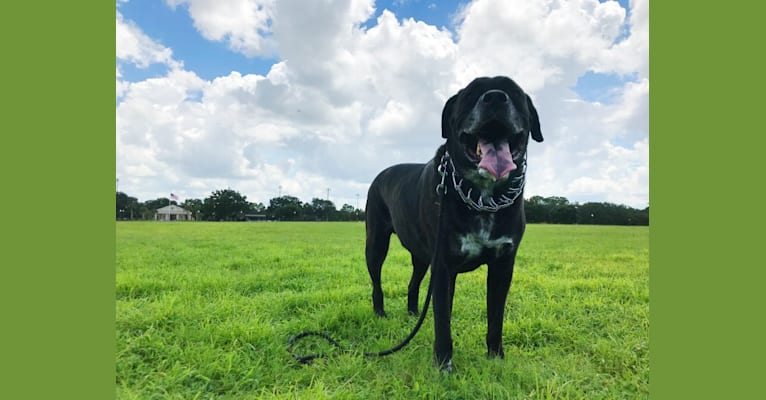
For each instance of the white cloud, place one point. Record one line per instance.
(243, 24)
(541, 44)
(631, 54)
(346, 101)
(135, 47)
(624, 177)
(393, 118)
(546, 46)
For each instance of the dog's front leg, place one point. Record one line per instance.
(499, 275)
(443, 293)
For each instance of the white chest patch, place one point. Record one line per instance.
(472, 244)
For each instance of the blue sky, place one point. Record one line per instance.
(174, 28)
(187, 123)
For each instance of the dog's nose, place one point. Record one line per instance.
(494, 96)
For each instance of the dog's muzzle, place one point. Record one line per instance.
(486, 136)
(494, 97)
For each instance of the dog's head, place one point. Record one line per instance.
(487, 125)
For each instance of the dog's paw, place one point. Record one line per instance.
(413, 312)
(447, 368)
(380, 313)
(497, 353)
(444, 366)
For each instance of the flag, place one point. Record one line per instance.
(174, 197)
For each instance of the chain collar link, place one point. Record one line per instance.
(491, 204)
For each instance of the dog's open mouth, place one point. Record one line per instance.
(493, 156)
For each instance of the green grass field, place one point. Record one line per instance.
(204, 310)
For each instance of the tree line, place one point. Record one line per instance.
(558, 210)
(229, 205)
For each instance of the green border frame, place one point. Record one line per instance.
(705, 288)
(57, 153)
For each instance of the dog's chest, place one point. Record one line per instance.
(481, 238)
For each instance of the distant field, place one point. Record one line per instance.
(204, 310)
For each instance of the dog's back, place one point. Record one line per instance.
(394, 205)
(393, 195)
(397, 204)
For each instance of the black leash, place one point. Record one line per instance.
(311, 357)
(441, 190)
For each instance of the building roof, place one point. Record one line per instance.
(172, 209)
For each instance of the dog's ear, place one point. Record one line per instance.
(537, 134)
(446, 114)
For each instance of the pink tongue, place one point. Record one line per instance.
(496, 159)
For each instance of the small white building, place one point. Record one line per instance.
(173, 213)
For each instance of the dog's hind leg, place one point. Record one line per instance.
(376, 248)
(419, 269)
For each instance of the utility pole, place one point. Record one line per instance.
(328, 194)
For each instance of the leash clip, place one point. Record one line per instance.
(441, 188)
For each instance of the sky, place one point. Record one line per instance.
(295, 97)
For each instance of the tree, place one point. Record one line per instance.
(193, 205)
(534, 209)
(228, 205)
(346, 213)
(553, 210)
(359, 215)
(285, 208)
(149, 208)
(563, 214)
(611, 214)
(555, 201)
(320, 210)
(225, 205)
(127, 207)
(257, 208)
(155, 204)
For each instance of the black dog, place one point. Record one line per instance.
(482, 165)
